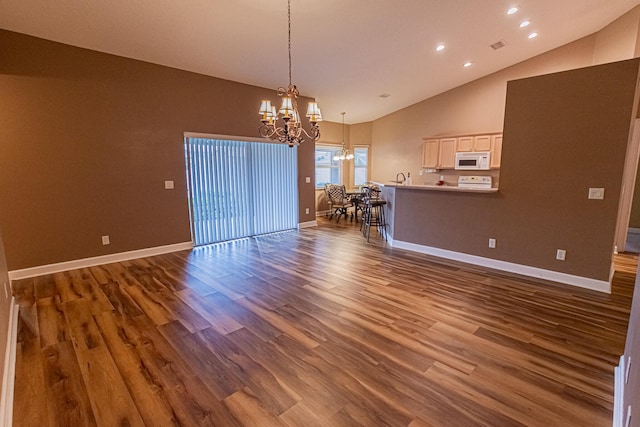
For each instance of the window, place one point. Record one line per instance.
(240, 189)
(360, 165)
(328, 171)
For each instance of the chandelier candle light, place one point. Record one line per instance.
(344, 154)
(291, 131)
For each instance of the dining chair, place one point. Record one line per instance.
(329, 212)
(340, 203)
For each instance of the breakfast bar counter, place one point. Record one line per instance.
(433, 215)
(432, 187)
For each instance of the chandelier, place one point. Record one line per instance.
(291, 130)
(343, 154)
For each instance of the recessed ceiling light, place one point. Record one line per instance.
(440, 47)
(468, 64)
(524, 24)
(533, 35)
(512, 11)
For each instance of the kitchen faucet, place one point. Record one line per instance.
(403, 178)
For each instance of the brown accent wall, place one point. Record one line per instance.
(87, 140)
(5, 305)
(563, 133)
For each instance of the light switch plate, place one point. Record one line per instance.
(168, 185)
(596, 193)
(307, 180)
(105, 240)
(561, 254)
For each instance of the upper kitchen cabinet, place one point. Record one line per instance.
(447, 153)
(439, 153)
(496, 151)
(474, 143)
(465, 143)
(430, 148)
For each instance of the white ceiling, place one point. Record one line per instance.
(345, 52)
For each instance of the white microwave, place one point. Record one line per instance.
(476, 160)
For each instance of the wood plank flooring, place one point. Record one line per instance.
(314, 328)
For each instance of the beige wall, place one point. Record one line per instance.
(87, 140)
(479, 106)
(5, 302)
(473, 108)
(354, 135)
(618, 40)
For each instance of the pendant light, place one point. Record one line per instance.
(343, 154)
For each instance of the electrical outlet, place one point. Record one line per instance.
(306, 211)
(492, 243)
(105, 240)
(307, 179)
(168, 185)
(596, 193)
(561, 254)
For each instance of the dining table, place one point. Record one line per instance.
(356, 196)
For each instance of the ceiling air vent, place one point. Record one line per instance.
(384, 95)
(498, 45)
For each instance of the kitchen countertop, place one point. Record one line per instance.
(431, 187)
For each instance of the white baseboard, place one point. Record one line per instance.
(525, 270)
(103, 259)
(307, 224)
(9, 373)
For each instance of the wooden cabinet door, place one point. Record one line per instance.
(496, 151)
(465, 143)
(482, 143)
(447, 155)
(430, 153)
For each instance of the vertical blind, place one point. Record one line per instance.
(240, 189)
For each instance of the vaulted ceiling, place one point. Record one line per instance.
(344, 53)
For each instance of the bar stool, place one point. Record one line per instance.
(373, 213)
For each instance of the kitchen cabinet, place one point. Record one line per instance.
(474, 143)
(482, 143)
(465, 143)
(430, 150)
(447, 153)
(496, 151)
(439, 153)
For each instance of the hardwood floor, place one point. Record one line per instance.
(314, 328)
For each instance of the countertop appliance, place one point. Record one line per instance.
(474, 160)
(475, 181)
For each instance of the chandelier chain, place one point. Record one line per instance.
(291, 130)
(289, 17)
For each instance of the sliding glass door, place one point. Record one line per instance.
(240, 189)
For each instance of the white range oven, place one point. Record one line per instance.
(477, 182)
